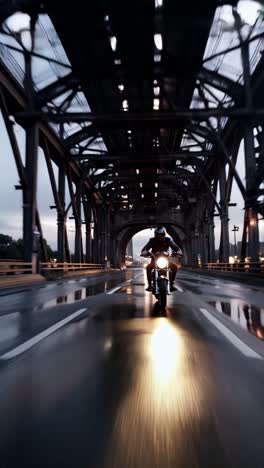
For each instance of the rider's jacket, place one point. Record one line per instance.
(160, 245)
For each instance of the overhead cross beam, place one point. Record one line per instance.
(56, 89)
(128, 120)
(145, 158)
(222, 83)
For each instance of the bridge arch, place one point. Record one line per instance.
(125, 234)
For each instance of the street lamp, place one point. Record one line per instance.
(234, 230)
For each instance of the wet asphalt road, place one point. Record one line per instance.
(122, 386)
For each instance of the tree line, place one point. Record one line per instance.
(14, 249)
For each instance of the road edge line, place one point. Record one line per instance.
(41, 336)
(234, 340)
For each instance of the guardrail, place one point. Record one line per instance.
(17, 268)
(54, 266)
(243, 267)
(14, 268)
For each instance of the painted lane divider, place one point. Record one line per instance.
(178, 288)
(114, 290)
(140, 274)
(41, 336)
(237, 342)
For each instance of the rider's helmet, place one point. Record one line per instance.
(160, 232)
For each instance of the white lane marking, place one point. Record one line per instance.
(36, 339)
(114, 290)
(140, 274)
(119, 287)
(179, 289)
(239, 344)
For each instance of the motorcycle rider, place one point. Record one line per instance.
(161, 243)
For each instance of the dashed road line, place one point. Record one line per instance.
(237, 342)
(41, 336)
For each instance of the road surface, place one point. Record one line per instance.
(116, 384)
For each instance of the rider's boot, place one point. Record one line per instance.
(172, 287)
(149, 288)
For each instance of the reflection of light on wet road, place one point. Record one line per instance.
(164, 393)
(164, 350)
(248, 316)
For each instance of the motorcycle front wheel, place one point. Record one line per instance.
(163, 293)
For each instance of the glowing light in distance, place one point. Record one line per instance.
(113, 42)
(125, 105)
(158, 3)
(156, 104)
(157, 58)
(158, 41)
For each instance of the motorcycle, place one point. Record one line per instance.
(160, 277)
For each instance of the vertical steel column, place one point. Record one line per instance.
(102, 232)
(250, 161)
(250, 164)
(30, 239)
(211, 240)
(96, 240)
(200, 232)
(78, 251)
(61, 218)
(243, 252)
(88, 236)
(224, 244)
(107, 234)
(31, 234)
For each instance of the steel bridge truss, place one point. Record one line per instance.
(174, 158)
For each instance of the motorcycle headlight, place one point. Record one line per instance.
(162, 262)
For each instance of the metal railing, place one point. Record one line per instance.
(17, 268)
(241, 267)
(14, 268)
(65, 267)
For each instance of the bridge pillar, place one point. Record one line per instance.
(108, 240)
(102, 233)
(224, 239)
(250, 159)
(211, 241)
(189, 249)
(96, 240)
(78, 250)
(193, 248)
(88, 234)
(61, 220)
(30, 240)
(204, 240)
(251, 184)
